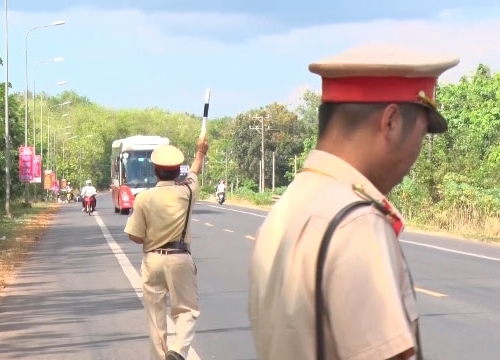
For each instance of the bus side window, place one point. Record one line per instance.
(115, 165)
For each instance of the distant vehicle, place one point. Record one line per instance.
(221, 198)
(89, 204)
(131, 169)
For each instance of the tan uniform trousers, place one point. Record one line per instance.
(174, 274)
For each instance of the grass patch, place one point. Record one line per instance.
(19, 234)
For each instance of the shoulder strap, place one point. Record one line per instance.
(183, 236)
(320, 264)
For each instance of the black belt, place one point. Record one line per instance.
(170, 251)
(173, 247)
(177, 245)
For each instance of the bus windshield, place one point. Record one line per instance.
(138, 169)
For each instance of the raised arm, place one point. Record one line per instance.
(201, 151)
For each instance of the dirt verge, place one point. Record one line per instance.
(18, 236)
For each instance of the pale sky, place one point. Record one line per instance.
(166, 53)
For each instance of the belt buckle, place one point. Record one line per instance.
(161, 251)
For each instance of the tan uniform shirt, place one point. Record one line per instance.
(366, 285)
(159, 213)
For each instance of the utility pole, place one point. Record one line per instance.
(295, 165)
(429, 149)
(226, 167)
(273, 170)
(7, 133)
(260, 175)
(262, 130)
(80, 170)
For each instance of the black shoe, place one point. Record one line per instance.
(172, 355)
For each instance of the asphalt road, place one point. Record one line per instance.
(79, 295)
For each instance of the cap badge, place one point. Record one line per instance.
(426, 100)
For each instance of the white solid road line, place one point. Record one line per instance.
(234, 210)
(451, 250)
(134, 277)
(429, 292)
(402, 240)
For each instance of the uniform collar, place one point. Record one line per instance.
(165, 183)
(330, 165)
(323, 163)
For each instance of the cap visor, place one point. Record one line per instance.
(437, 123)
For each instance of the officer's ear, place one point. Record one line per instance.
(390, 123)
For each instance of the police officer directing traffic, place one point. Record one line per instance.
(328, 279)
(160, 222)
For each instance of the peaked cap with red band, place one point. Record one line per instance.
(167, 157)
(379, 73)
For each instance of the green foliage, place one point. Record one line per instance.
(284, 133)
(16, 139)
(245, 194)
(453, 185)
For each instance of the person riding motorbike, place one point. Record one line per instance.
(88, 190)
(69, 192)
(221, 189)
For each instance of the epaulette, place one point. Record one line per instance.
(184, 182)
(383, 206)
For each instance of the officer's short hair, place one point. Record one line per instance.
(167, 175)
(350, 116)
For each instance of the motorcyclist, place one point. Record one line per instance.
(221, 188)
(88, 190)
(69, 191)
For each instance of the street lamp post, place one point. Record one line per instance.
(55, 23)
(55, 147)
(57, 59)
(64, 142)
(41, 119)
(7, 133)
(34, 120)
(53, 158)
(80, 160)
(48, 126)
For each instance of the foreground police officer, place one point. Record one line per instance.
(377, 106)
(160, 222)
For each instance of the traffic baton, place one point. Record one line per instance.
(205, 115)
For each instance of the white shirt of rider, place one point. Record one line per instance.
(88, 190)
(221, 188)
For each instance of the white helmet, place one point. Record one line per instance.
(88, 182)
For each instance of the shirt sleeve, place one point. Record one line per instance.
(362, 280)
(136, 222)
(192, 179)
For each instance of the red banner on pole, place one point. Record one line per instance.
(26, 157)
(37, 169)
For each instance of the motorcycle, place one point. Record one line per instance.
(221, 198)
(89, 204)
(69, 196)
(62, 196)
